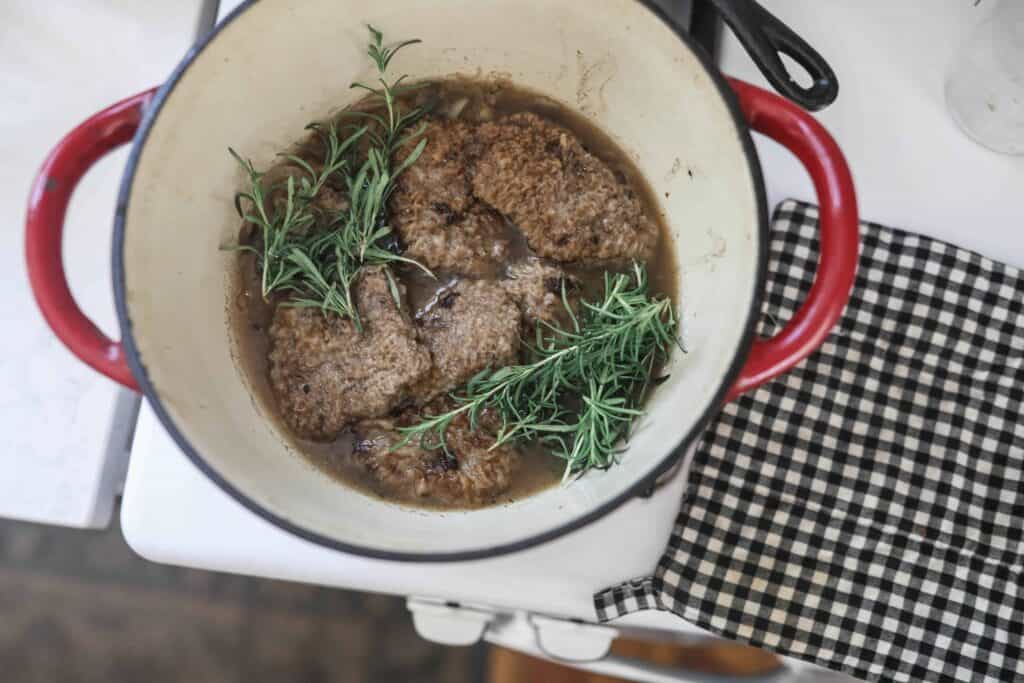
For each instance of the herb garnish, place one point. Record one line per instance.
(582, 391)
(314, 254)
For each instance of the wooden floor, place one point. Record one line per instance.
(505, 666)
(79, 606)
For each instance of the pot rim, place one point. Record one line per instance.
(638, 487)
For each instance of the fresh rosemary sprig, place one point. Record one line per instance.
(582, 391)
(279, 228)
(336, 158)
(314, 254)
(394, 121)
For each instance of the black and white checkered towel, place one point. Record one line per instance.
(866, 510)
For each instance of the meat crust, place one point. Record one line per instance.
(325, 374)
(433, 210)
(474, 475)
(537, 288)
(567, 202)
(472, 325)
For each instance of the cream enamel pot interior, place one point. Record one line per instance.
(273, 67)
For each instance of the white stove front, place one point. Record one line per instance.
(172, 513)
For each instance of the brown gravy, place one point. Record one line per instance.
(472, 99)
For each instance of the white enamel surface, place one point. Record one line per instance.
(214, 532)
(58, 461)
(276, 67)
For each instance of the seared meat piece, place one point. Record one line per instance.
(537, 287)
(469, 243)
(325, 374)
(474, 477)
(566, 201)
(472, 325)
(439, 176)
(434, 212)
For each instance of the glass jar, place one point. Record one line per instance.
(985, 86)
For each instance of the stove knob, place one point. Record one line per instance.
(572, 641)
(448, 623)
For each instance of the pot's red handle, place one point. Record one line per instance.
(44, 228)
(798, 131)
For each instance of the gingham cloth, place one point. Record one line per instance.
(866, 510)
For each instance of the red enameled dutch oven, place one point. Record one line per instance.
(272, 67)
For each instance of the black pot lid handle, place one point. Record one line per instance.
(765, 38)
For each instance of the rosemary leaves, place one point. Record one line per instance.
(313, 254)
(582, 391)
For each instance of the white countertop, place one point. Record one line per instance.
(913, 167)
(60, 64)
